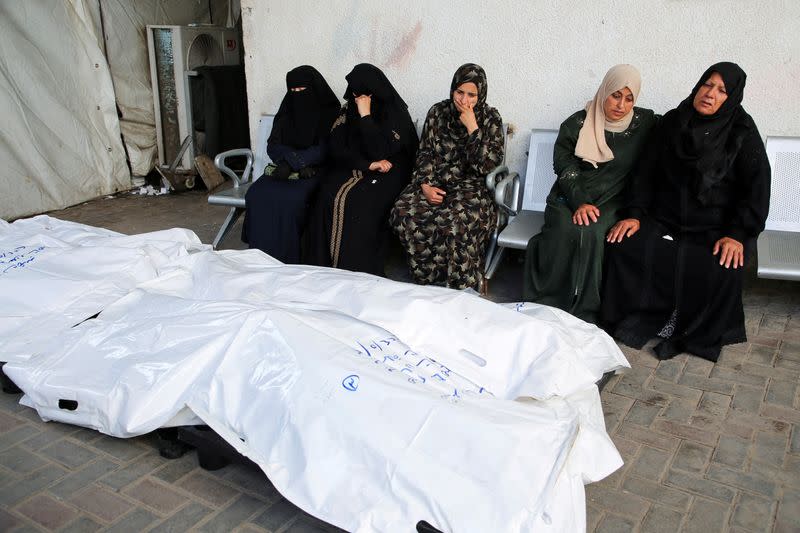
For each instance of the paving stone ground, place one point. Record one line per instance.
(707, 447)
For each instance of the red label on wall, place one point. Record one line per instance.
(230, 44)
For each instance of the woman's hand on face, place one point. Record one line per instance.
(732, 252)
(467, 116)
(364, 104)
(434, 195)
(382, 166)
(584, 213)
(623, 228)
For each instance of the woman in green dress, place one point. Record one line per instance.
(594, 153)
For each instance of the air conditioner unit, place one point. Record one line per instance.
(175, 51)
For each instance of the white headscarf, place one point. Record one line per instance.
(591, 145)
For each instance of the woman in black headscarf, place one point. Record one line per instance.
(444, 217)
(277, 203)
(698, 201)
(372, 145)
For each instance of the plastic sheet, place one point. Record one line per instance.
(522, 350)
(350, 439)
(55, 274)
(337, 385)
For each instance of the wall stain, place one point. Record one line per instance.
(404, 51)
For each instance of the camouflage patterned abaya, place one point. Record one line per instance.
(446, 243)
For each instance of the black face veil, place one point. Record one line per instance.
(366, 79)
(304, 117)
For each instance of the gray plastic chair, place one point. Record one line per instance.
(779, 244)
(256, 162)
(525, 214)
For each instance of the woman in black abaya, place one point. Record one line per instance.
(698, 201)
(372, 146)
(277, 203)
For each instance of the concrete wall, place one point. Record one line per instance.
(543, 59)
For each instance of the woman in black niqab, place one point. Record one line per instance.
(278, 202)
(372, 145)
(306, 113)
(366, 79)
(699, 198)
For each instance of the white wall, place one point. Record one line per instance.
(544, 59)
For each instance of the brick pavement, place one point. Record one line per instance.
(56, 477)
(710, 447)
(707, 447)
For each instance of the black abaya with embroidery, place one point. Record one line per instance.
(350, 224)
(700, 179)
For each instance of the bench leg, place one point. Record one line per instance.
(491, 250)
(494, 262)
(227, 226)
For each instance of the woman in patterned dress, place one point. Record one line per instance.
(444, 217)
(372, 146)
(593, 156)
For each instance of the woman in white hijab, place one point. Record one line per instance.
(593, 156)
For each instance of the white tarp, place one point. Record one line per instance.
(60, 134)
(55, 274)
(336, 385)
(59, 138)
(469, 332)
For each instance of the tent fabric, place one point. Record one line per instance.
(60, 138)
(56, 274)
(60, 84)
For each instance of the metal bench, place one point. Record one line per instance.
(256, 162)
(779, 244)
(526, 220)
